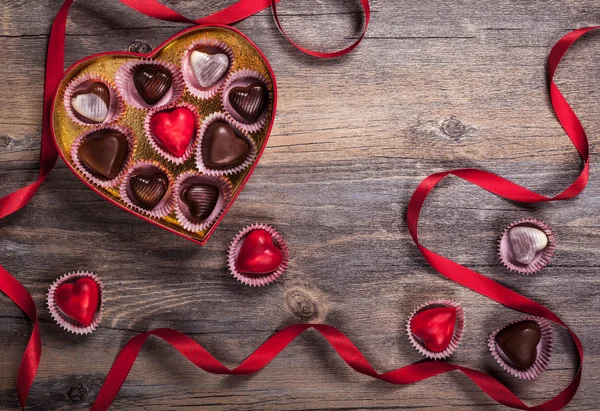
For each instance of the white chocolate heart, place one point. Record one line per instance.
(525, 242)
(90, 106)
(208, 68)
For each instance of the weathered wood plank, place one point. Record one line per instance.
(434, 86)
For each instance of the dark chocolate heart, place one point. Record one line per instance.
(91, 105)
(152, 82)
(148, 188)
(519, 343)
(104, 152)
(250, 101)
(222, 147)
(201, 200)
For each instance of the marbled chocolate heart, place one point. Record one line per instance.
(250, 101)
(222, 147)
(201, 200)
(519, 343)
(152, 82)
(525, 242)
(91, 105)
(104, 152)
(209, 65)
(148, 188)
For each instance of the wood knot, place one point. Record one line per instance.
(453, 128)
(76, 393)
(5, 141)
(139, 46)
(306, 305)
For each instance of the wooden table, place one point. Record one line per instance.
(434, 86)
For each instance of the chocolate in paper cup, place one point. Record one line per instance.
(115, 106)
(96, 180)
(459, 326)
(544, 350)
(542, 257)
(257, 280)
(164, 207)
(125, 85)
(243, 78)
(61, 318)
(190, 78)
(199, 148)
(184, 216)
(157, 146)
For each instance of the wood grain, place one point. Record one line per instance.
(435, 85)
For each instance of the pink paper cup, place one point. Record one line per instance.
(459, 326)
(257, 280)
(542, 257)
(544, 350)
(115, 106)
(61, 318)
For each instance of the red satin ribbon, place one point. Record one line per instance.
(48, 155)
(196, 354)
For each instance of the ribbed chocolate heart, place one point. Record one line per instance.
(519, 343)
(249, 102)
(152, 82)
(148, 188)
(525, 242)
(209, 65)
(104, 152)
(222, 147)
(91, 105)
(201, 200)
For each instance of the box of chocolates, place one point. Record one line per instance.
(172, 136)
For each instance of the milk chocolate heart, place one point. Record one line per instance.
(148, 188)
(174, 129)
(435, 327)
(209, 65)
(250, 101)
(168, 136)
(519, 343)
(91, 105)
(103, 152)
(152, 81)
(222, 147)
(526, 242)
(258, 255)
(201, 200)
(79, 300)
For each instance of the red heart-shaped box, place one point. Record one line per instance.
(196, 68)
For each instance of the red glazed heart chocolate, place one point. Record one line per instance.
(258, 255)
(79, 300)
(174, 129)
(435, 327)
(164, 106)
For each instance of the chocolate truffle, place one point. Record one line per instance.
(91, 105)
(152, 81)
(518, 343)
(148, 187)
(104, 152)
(250, 101)
(201, 200)
(222, 147)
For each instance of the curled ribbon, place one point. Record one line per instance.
(275, 344)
